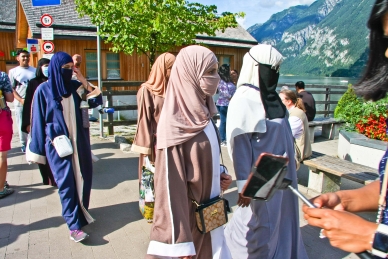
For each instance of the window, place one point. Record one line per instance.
(113, 66)
(110, 65)
(224, 60)
(91, 65)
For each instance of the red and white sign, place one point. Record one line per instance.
(48, 47)
(46, 20)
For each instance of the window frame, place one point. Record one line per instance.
(104, 65)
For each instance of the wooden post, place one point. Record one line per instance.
(327, 104)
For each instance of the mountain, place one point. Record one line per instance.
(327, 38)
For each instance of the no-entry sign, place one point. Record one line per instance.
(48, 47)
(46, 20)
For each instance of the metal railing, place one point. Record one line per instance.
(327, 105)
(120, 88)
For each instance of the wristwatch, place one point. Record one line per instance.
(380, 241)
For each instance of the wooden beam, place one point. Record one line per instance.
(22, 27)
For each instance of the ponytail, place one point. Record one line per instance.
(299, 104)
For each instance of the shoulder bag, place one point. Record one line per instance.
(212, 213)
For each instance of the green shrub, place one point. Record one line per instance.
(349, 108)
(354, 110)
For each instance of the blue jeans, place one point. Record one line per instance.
(222, 110)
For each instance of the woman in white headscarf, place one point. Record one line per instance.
(257, 123)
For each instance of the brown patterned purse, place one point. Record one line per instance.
(211, 214)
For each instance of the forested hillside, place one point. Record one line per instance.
(327, 38)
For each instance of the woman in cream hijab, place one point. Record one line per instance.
(187, 160)
(257, 123)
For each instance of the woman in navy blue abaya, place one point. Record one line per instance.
(55, 112)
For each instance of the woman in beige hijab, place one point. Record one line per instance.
(187, 160)
(150, 99)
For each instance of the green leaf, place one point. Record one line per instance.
(152, 26)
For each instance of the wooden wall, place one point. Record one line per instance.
(7, 43)
(132, 67)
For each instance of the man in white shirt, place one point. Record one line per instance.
(19, 77)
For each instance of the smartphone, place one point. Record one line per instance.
(266, 177)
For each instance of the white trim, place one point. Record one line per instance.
(379, 253)
(169, 201)
(35, 158)
(173, 250)
(240, 185)
(70, 121)
(219, 248)
(382, 228)
(141, 150)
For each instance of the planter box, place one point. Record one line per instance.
(359, 149)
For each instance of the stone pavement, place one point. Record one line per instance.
(31, 225)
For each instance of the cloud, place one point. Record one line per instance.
(266, 3)
(257, 11)
(242, 21)
(282, 4)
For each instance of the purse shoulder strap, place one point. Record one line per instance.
(218, 138)
(191, 196)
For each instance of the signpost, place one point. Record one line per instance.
(47, 33)
(48, 56)
(46, 20)
(48, 47)
(32, 45)
(41, 3)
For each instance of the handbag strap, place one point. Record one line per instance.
(218, 138)
(219, 145)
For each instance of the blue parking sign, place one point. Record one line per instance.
(41, 3)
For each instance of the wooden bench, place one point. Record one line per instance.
(330, 127)
(326, 172)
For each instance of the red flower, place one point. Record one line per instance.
(373, 127)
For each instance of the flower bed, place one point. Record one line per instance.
(367, 118)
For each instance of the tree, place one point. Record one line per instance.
(151, 26)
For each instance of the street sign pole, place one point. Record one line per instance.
(99, 77)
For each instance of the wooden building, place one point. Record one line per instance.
(7, 35)
(73, 34)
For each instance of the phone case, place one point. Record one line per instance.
(250, 188)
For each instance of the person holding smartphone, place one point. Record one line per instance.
(334, 214)
(257, 124)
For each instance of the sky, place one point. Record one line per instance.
(256, 11)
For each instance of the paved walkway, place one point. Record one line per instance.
(31, 225)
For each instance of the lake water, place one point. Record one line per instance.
(319, 81)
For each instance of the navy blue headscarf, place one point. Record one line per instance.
(58, 87)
